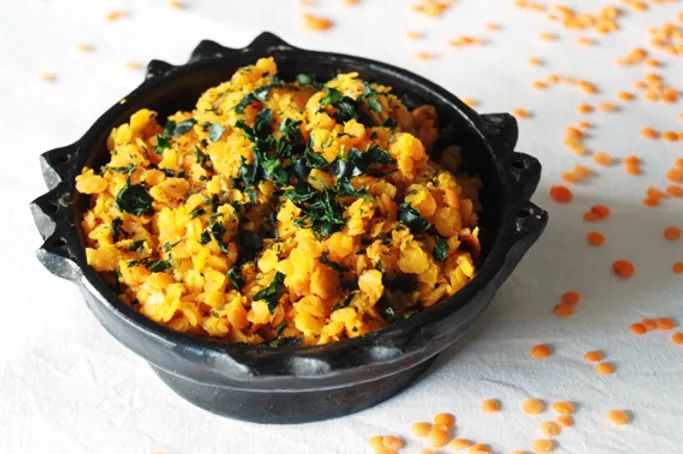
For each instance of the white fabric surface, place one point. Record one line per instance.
(67, 387)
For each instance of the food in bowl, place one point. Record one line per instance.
(282, 212)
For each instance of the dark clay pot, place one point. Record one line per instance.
(296, 384)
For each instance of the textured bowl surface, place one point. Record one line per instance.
(297, 384)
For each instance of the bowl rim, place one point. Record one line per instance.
(209, 52)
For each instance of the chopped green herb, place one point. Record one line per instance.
(116, 228)
(332, 97)
(134, 199)
(370, 97)
(334, 265)
(136, 245)
(168, 246)
(235, 277)
(411, 218)
(280, 328)
(199, 211)
(158, 266)
(216, 132)
(304, 79)
(440, 249)
(183, 127)
(273, 292)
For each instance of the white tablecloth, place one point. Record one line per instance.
(67, 387)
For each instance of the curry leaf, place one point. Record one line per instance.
(412, 219)
(273, 292)
(134, 199)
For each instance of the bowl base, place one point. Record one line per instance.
(290, 407)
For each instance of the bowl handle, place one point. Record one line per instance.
(501, 132)
(49, 211)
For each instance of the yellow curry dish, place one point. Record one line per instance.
(282, 212)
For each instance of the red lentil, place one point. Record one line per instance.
(672, 233)
(533, 406)
(623, 268)
(619, 417)
(593, 356)
(490, 406)
(604, 368)
(541, 351)
(596, 239)
(561, 194)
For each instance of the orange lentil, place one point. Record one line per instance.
(619, 417)
(677, 268)
(675, 175)
(550, 428)
(679, 162)
(134, 65)
(48, 77)
(84, 47)
(445, 419)
(493, 26)
(547, 36)
(585, 41)
(672, 233)
(653, 63)
(414, 35)
(671, 136)
(115, 15)
(677, 338)
(350, 2)
(479, 448)
(471, 102)
(563, 407)
(608, 107)
(588, 87)
(421, 429)
(377, 441)
(632, 160)
(585, 124)
(438, 437)
(584, 108)
(543, 445)
(177, 4)
(623, 268)
(674, 190)
(533, 406)
(521, 113)
(317, 23)
(632, 169)
(541, 351)
(519, 452)
(604, 368)
(425, 56)
(490, 406)
(460, 443)
(649, 133)
(427, 451)
(596, 239)
(571, 297)
(561, 194)
(601, 210)
(539, 85)
(392, 442)
(565, 420)
(648, 323)
(650, 202)
(563, 310)
(602, 158)
(535, 61)
(655, 193)
(593, 356)
(665, 323)
(638, 329)
(626, 96)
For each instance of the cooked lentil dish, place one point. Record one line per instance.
(282, 212)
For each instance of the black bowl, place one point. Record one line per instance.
(296, 384)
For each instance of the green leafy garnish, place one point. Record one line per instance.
(370, 97)
(411, 218)
(258, 95)
(183, 127)
(116, 227)
(324, 259)
(280, 328)
(168, 246)
(134, 199)
(158, 266)
(273, 292)
(440, 249)
(235, 277)
(304, 79)
(136, 245)
(216, 132)
(197, 212)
